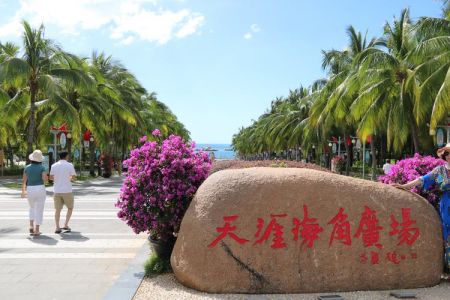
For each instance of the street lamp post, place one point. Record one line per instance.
(69, 143)
(92, 153)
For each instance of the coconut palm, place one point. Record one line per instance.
(39, 70)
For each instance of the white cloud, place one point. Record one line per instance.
(126, 21)
(254, 28)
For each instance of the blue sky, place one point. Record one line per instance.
(216, 63)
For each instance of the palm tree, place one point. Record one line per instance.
(40, 71)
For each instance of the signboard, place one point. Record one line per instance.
(63, 140)
(86, 144)
(51, 150)
(46, 163)
(358, 144)
(440, 137)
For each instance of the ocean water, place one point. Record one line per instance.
(221, 151)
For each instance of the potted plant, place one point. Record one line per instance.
(162, 178)
(106, 163)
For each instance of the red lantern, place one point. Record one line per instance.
(87, 135)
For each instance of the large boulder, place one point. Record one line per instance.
(278, 230)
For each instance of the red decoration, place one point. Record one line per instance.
(310, 229)
(348, 141)
(86, 135)
(369, 229)
(341, 229)
(278, 241)
(407, 234)
(227, 230)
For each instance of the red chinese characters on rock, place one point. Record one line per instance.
(407, 234)
(278, 240)
(307, 228)
(341, 229)
(309, 231)
(227, 230)
(368, 228)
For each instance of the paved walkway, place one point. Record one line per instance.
(82, 264)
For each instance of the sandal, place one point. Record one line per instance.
(57, 231)
(36, 233)
(31, 230)
(66, 229)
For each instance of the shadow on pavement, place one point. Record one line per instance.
(43, 240)
(9, 230)
(74, 236)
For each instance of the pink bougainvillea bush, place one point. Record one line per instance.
(411, 168)
(161, 181)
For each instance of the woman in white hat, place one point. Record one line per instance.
(34, 179)
(439, 177)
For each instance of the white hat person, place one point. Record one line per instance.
(36, 156)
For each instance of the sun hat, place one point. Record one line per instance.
(36, 156)
(443, 149)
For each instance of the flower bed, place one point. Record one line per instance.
(411, 168)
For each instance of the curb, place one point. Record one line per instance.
(129, 281)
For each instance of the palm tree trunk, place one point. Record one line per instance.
(32, 124)
(347, 160)
(374, 157)
(415, 134)
(92, 158)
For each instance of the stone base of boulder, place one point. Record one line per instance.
(279, 230)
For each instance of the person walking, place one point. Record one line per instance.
(33, 180)
(440, 177)
(62, 173)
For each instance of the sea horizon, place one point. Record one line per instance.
(220, 151)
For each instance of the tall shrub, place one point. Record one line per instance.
(161, 181)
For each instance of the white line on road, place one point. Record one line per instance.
(52, 213)
(73, 218)
(54, 244)
(65, 255)
(69, 234)
(108, 200)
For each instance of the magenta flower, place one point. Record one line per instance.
(156, 132)
(412, 168)
(161, 181)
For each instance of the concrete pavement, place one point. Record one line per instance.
(82, 264)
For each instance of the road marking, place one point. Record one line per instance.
(72, 218)
(52, 213)
(65, 255)
(18, 201)
(73, 234)
(42, 242)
